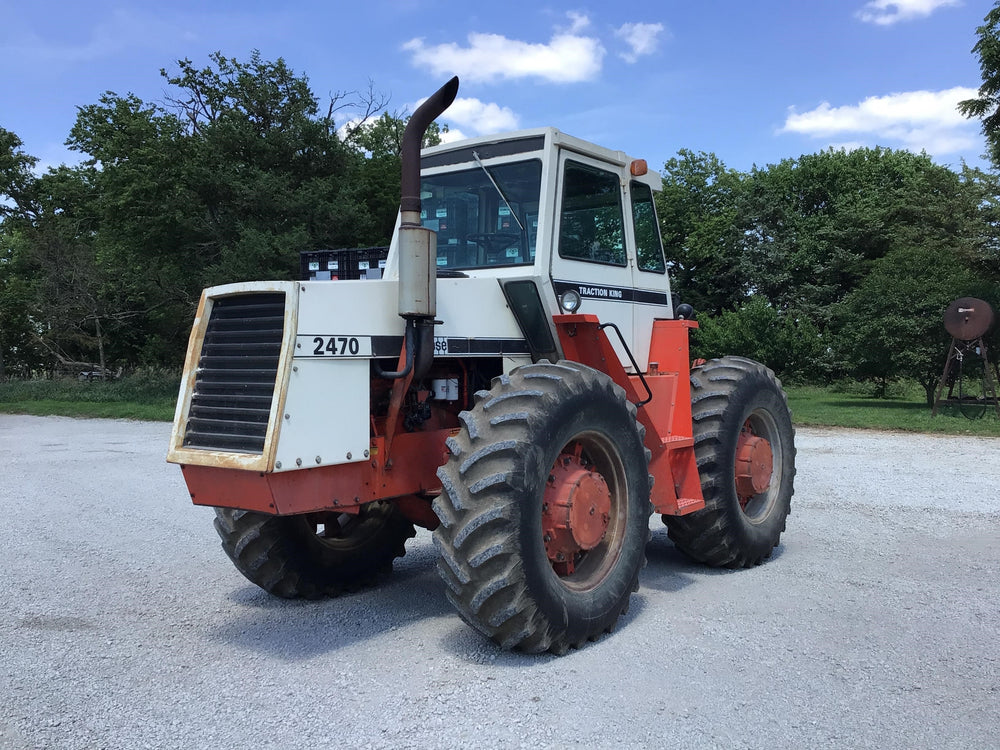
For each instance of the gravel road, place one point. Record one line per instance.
(124, 625)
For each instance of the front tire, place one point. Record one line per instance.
(545, 508)
(316, 554)
(734, 401)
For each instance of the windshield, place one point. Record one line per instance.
(473, 219)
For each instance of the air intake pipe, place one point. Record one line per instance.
(417, 245)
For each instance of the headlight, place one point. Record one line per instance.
(570, 301)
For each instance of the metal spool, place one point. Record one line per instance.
(967, 368)
(968, 318)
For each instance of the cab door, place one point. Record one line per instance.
(651, 293)
(590, 254)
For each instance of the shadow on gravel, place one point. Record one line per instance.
(294, 630)
(464, 643)
(669, 569)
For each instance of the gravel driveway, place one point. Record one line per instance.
(125, 626)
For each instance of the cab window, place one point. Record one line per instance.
(590, 225)
(648, 246)
(485, 216)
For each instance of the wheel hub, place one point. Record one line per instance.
(576, 511)
(754, 464)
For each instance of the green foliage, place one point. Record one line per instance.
(701, 224)
(836, 264)
(905, 409)
(19, 350)
(790, 346)
(17, 181)
(833, 264)
(146, 393)
(986, 106)
(228, 180)
(817, 223)
(892, 323)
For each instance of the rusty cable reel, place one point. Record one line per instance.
(968, 318)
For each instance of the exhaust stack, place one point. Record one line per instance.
(417, 245)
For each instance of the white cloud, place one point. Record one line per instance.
(578, 22)
(888, 12)
(453, 134)
(480, 117)
(919, 120)
(568, 57)
(642, 39)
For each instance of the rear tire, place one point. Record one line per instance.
(291, 557)
(497, 558)
(731, 395)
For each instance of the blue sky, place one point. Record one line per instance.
(752, 81)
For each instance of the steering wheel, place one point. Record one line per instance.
(494, 242)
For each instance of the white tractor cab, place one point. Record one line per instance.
(516, 380)
(562, 213)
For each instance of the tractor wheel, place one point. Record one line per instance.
(744, 445)
(545, 508)
(315, 554)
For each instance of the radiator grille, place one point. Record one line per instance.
(234, 385)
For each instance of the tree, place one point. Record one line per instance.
(771, 256)
(17, 179)
(19, 351)
(700, 220)
(790, 346)
(892, 324)
(228, 180)
(986, 106)
(377, 180)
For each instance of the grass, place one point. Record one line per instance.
(147, 394)
(905, 410)
(150, 394)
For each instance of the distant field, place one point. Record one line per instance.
(151, 395)
(148, 394)
(907, 412)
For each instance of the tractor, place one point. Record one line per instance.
(517, 379)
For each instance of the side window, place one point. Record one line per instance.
(591, 227)
(648, 246)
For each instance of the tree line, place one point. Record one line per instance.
(832, 265)
(239, 169)
(840, 265)
(835, 265)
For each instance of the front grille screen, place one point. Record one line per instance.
(234, 386)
